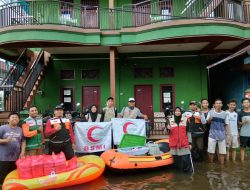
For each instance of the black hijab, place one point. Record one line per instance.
(93, 115)
(177, 119)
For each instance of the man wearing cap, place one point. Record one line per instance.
(196, 128)
(60, 134)
(109, 111)
(131, 111)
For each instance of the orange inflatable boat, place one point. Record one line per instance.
(120, 161)
(89, 168)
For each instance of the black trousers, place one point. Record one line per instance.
(183, 163)
(5, 168)
(65, 147)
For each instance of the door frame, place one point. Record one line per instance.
(173, 87)
(152, 98)
(73, 96)
(99, 96)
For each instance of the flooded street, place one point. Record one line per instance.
(233, 175)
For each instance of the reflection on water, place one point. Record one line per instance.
(231, 176)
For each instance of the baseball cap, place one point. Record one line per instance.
(192, 102)
(59, 107)
(131, 100)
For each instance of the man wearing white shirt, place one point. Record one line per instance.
(232, 129)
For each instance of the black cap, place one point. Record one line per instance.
(59, 107)
(193, 102)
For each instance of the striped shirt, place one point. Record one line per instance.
(218, 122)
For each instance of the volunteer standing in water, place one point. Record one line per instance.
(180, 142)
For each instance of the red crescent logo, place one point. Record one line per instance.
(90, 135)
(125, 126)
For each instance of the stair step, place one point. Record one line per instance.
(4, 115)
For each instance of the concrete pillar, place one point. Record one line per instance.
(112, 53)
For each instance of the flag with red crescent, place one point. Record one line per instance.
(92, 137)
(130, 126)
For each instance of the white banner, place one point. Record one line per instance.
(130, 126)
(92, 137)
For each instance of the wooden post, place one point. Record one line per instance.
(111, 14)
(246, 10)
(112, 53)
(111, 4)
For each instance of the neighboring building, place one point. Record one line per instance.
(156, 51)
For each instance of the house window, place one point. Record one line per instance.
(67, 74)
(167, 97)
(166, 72)
(67, 7)
(67, 98)
(93, 74)
(143, 73)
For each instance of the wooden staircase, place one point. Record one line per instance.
(34, 90)
(21, 92)
(212, 5)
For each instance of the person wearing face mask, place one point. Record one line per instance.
(180, 141)
(32, 130)
(131, 111)
(109, 111)
(93, 115)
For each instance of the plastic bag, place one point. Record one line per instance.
(24, 168)
(48, 165)
(37, 166)
(60, 162)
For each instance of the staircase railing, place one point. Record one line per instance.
(34, 73)
(12, 97)
(16, 97)
(16, 71)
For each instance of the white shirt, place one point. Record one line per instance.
(233, 119)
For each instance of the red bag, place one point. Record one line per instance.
(37, 166)
(48, 165)
(60, 162)
(24, 168)
(72, 164)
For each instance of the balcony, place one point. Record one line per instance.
(127, 16)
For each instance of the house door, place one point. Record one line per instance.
(90, 13)
(67, 98)
(144, 99)
(90, 96)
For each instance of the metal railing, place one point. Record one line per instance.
(16, 97)
(135, 15)
(32, 78)
(16, 71)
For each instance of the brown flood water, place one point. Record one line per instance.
(233, 175)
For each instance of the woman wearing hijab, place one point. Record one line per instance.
(180, 142)
(93, 115)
